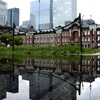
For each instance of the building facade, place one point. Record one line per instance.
(13, 16)
(41, 14)
(3, 12)
(69, 36)
(64, 11)
(26, 24)
(52, 13)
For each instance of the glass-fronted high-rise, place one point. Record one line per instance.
(41, 14)
(64, 11)
(13, 16)
(3, 12)
(46, 14)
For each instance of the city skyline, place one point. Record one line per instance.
(87, 8)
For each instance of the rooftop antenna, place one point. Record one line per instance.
(39, 16)
(82, 16)
(90, 16)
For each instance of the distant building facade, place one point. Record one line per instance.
(3, 12)
(13, 16)
(64, 11)
(46, 14)
(69, 36)
(41, 14)
(26, 24)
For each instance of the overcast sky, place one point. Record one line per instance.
(85, 7)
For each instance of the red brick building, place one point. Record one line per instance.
(70, 35)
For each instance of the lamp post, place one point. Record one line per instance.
(91, 31)
(13, 36)
(80, 22)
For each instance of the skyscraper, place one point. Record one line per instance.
(41, 14)
(3, 12)
(13, 16)
(46, 14)
(64, 11)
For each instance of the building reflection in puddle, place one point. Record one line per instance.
(48, 79)
(23, 91)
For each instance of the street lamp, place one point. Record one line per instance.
(13, 36)
(80, 22)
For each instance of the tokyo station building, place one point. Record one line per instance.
(68, 35)
(62, 36)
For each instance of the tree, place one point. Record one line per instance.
(6, 38)
(18, 40)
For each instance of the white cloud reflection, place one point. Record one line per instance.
(90, 94)
(23, 91)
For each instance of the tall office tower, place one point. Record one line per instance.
(13, 16)
(41, 14)
(3, 12)
(46, 14)
(64, 11)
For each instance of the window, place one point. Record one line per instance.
(98, 32)
(27, 40)
(67, 34)
(30, 40)
(82, 38)
(63, 39)
(85, 32)
(88, 32)
(88, 38)
(58, 40)
(76, 39)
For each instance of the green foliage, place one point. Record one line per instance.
(6, 62)
(6, 38)
(90, 50)
(18, 40)
(48, 51)
(19, 57)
